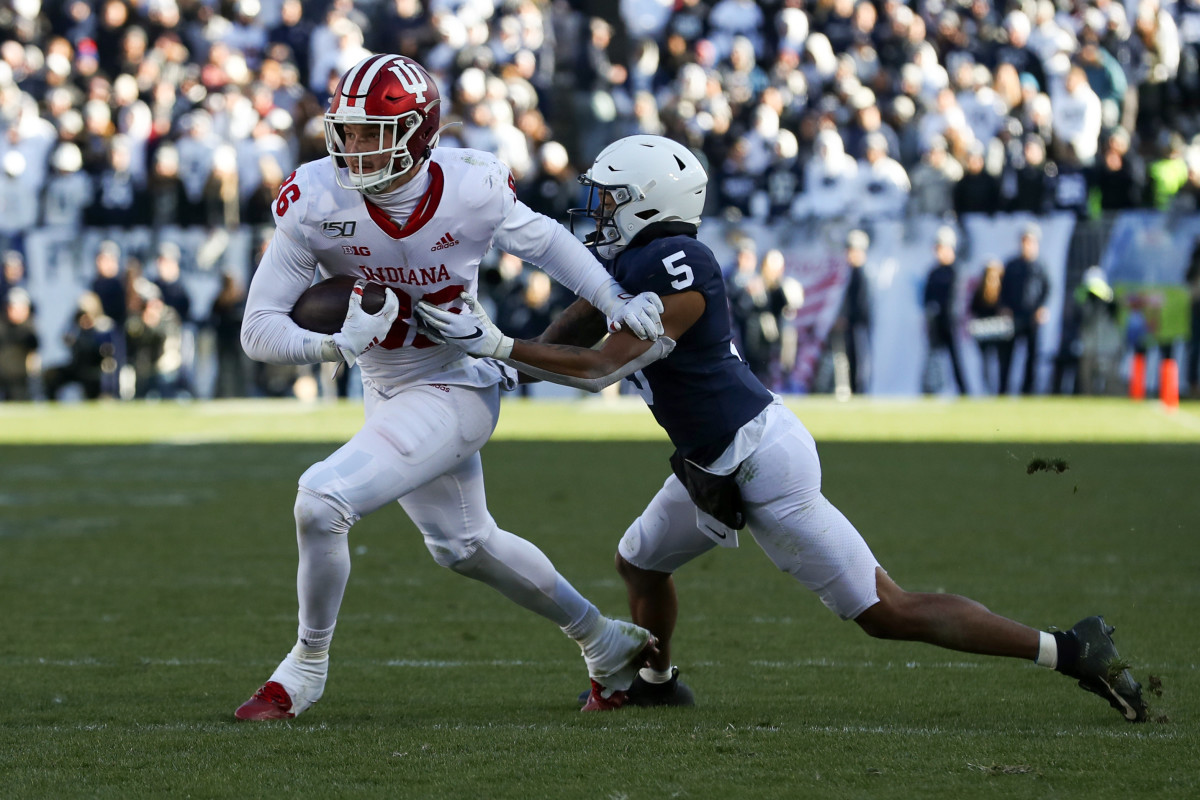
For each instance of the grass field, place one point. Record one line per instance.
(147, 571)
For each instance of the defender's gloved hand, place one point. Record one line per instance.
(641, 314)
(471, 330)
(362, 331)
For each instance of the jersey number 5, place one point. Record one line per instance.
(682, 272)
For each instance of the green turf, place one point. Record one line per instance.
(1046, 419)
(147, 589)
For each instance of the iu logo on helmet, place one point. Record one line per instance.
(411, 79)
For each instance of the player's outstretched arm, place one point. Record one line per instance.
(581, 325)
(581, 367)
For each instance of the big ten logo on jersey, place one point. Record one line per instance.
(289, 193)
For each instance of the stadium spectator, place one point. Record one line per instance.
(109, 285)
(165, 192)
(830, 179)
(153, 341)
(989, 326)
(853, 323)
(737, 280)
(120, 201)
(978, 191)
(167, 279)
(883, 183)
(934, 180)
(18, 201)
(1155, 53)
(92, 364)
(294, 32)
(1077, 119)
(12, 271)
(1032, 180)
(18, 345)
(225, 321)
(1118, 176)
(551, 188)
(68, 191)
(1105, 76)
(1166, 175)
(941, 314)
(1024, 290)
(1099, 344)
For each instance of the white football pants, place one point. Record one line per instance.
(800, 531)
(420, 447)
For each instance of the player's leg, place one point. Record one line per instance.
(407, 440)
(788, 509)
(662, 539)
(452, 515)
(945, 620)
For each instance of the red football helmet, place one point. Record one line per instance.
(398, 95)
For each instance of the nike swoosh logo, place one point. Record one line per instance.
(718, 534)
(478, 332)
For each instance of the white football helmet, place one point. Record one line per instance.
(650, 179)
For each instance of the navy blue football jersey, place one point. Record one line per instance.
(703, 392)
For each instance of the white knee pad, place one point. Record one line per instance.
(317, 512)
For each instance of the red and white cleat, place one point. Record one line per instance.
(271, 701)
(598, 701)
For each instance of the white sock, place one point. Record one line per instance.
(313, 645)
(1047, 651)
(586, 626)
(651, 675)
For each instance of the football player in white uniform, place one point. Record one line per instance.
(742, 459)
(387, 206)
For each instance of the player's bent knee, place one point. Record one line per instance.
(458, 553)
(886, 619)
(316, 512)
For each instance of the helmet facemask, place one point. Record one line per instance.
(394, 130)
(607, 237)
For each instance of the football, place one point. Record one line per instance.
(323, 306)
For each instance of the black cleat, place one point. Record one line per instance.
(1101, 671)
(643, 693)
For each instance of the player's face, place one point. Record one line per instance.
(365, 138)
(608, 204)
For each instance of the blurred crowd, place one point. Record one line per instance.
(192, 112)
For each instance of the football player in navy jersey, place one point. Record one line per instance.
(742, 459)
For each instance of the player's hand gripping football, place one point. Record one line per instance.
(362, 331)
(640, 314)
(471, 330)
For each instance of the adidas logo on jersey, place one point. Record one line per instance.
(447, 240)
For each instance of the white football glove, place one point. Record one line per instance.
(471, 331)
(642, 315)
(362, 331)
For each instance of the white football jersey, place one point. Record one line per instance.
(441, 225)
